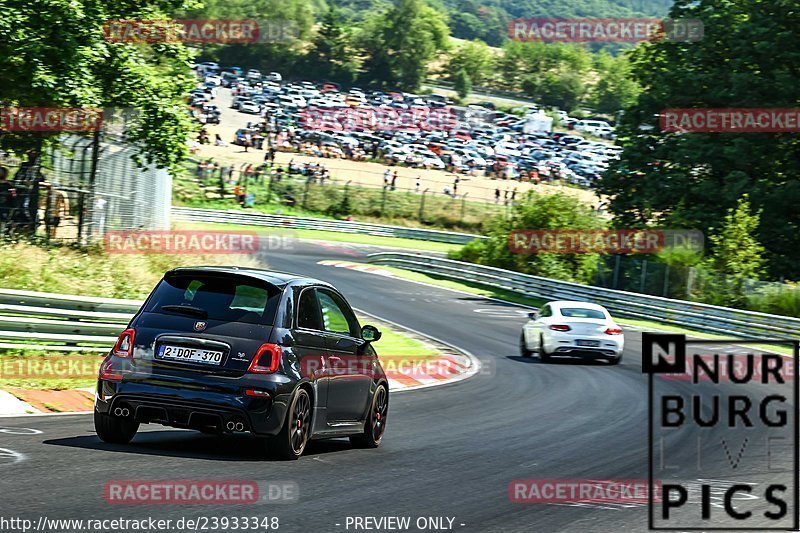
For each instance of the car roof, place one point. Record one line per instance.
(273, 277)
(569, 303)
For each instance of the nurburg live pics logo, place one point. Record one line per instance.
(734, 422)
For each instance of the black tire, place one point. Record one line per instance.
(375, 426)
(523, 350)
(616, 360)
(290, 443)
(544, 357)
(113, 429)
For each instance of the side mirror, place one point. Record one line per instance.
(533, 315)
(370, 333)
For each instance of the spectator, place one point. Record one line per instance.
(497, 195)
(7, 195)
(416, 189)
(386, 178)
(394, 181)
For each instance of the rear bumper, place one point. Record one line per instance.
(582, 351)
(196, 408)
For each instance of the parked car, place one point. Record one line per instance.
(227, 350)
(249, 106)
(567, 328)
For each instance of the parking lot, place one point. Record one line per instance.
(426, 139)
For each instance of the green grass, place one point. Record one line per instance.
(330, 236)
(93, 272)
(393, 344)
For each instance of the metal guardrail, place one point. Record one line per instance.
(191, 214)
(697, 316)
(60, 322)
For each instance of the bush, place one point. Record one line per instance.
(534, 211)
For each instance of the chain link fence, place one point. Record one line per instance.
(80, 188)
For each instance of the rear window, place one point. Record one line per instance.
(229, 299)
(581, 312)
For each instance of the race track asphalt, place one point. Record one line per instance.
(449, 451)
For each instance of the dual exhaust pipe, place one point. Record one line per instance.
(232, 425)
(235, 426)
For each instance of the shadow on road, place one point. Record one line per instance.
(580, 361)
(193, 445)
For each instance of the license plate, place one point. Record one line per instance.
(189, 355)
(588, 343)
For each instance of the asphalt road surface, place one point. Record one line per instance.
(448, 452)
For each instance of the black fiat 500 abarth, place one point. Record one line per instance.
(226, 350)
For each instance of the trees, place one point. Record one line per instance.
(746, 58)
(462, 84)
(287, 25)
(331, 54)
(399, 43)
(54, 54)
(474, 58)
(615, 88)
(533, 211)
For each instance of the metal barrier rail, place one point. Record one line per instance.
(253, 218)
(61, 322)
(698, 316)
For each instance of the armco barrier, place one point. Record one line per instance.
(60, 322)
(701, 317)
(253, 218)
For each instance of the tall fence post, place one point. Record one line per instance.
(422, 204)
(643, 281)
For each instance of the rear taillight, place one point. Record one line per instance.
(613, 331)
(267, 359)
(107, 372)
(255, 393)
(560, 327)
(124, 345)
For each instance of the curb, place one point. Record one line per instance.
(447, 369)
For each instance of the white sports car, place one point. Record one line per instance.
(572, 329)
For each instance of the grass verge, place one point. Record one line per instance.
(330, 236)
(93, 272)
